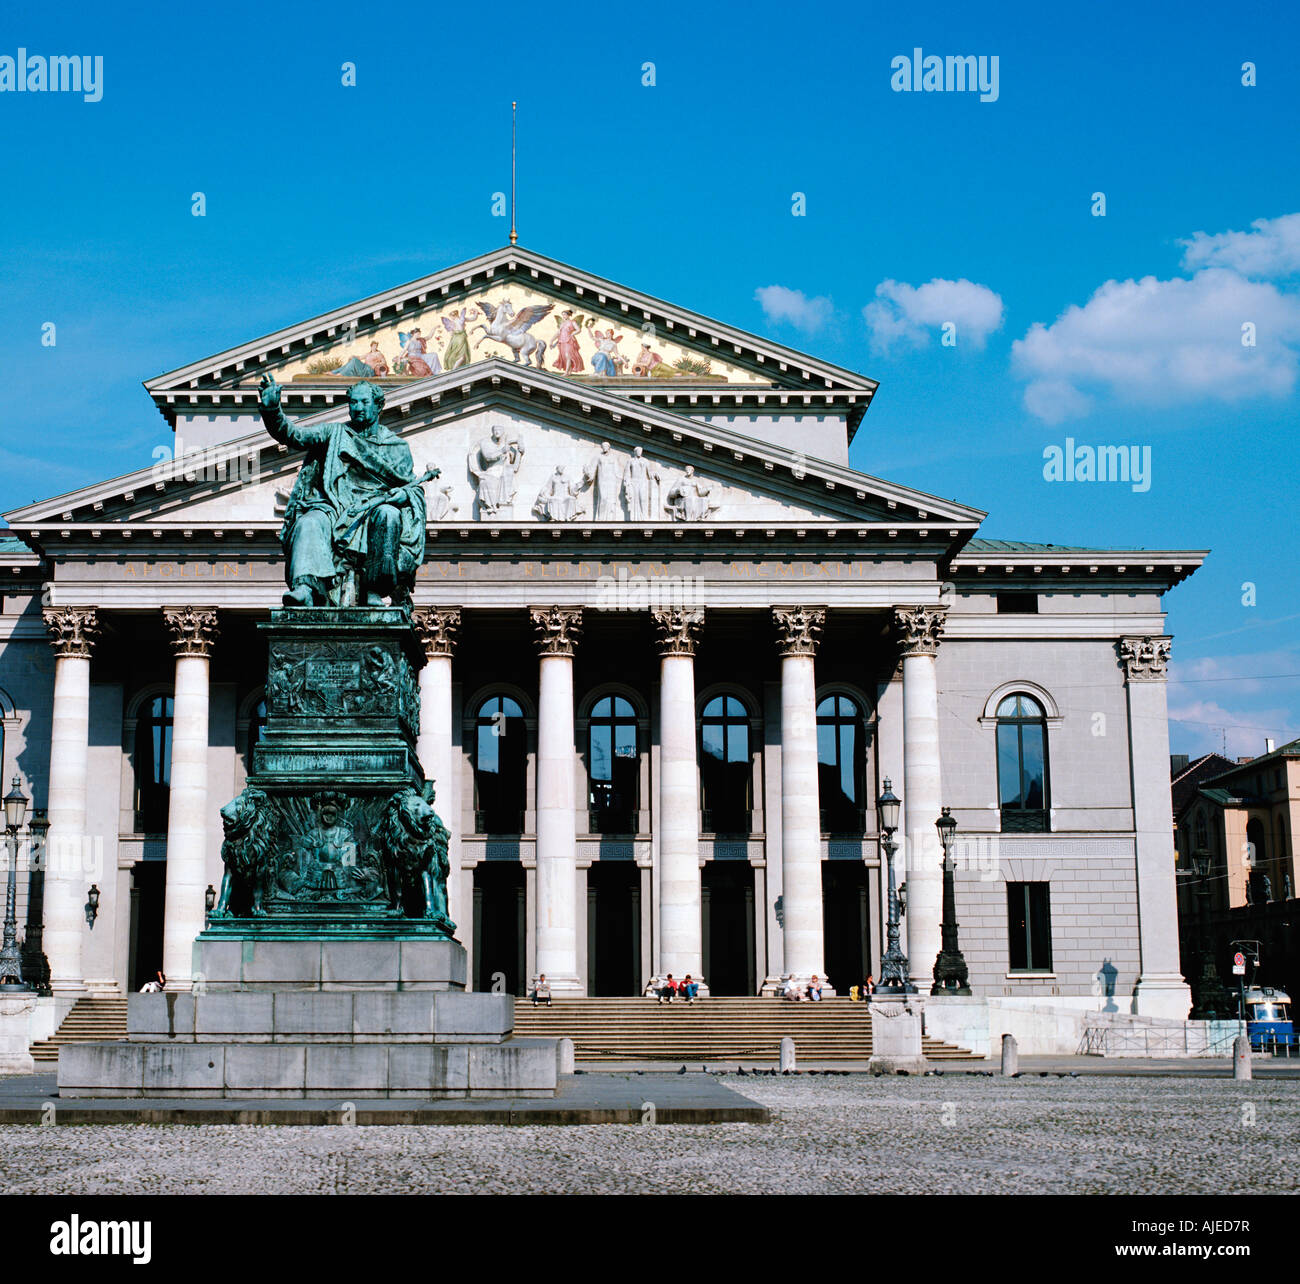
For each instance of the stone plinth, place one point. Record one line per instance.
(264, 962)
(339, 1019)
(895, 1036)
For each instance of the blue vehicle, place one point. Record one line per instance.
(1268, 1020)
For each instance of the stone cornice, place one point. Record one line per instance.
(193, 629)
(797, 627)
(558, 628)
(436, 627)
(73, 630)
(678, 629)
(1144, 659)
(918, 628)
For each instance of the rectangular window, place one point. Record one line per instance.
(1017, 603)
(1029, 925)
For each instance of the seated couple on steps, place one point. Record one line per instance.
(687, 988)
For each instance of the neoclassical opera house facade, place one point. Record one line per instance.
(675, 646)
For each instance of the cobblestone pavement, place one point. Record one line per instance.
(856, 1134)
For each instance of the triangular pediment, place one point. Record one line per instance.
(580, 327)
(559, 428)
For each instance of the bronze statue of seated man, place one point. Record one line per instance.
(354, 525)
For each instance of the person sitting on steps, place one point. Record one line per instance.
(689, 989)
(542, 991)
(668, 991)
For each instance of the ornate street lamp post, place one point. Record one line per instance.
(11, 966)
(893, 967)
(950, 975)
(1212, 1000)
(36, 967)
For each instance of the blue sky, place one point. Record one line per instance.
(920, 207)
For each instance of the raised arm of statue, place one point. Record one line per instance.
(280, 426)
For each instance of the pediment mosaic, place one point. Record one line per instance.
(514, 323)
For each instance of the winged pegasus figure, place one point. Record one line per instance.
(511, 328)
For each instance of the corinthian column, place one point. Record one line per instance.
(801, 865)
(918, 629)
(558, 629)
(193, 630)
(68, 874)
(1161, 990)
(681, 927)
(437, 628)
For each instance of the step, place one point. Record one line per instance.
(91, 1020)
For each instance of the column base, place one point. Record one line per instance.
(1162, 995)
(562, 987)
(104, 987)
(774, 986)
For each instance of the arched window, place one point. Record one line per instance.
(500, 767)
(1022, 765)
(840, 765)
(153, 765)
(256, 729)
(725, 776)
(613, 769)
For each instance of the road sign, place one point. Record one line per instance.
(1239, 959)
(1238, 969)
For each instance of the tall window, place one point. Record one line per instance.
(612, 766)
(724, 766)
(1029, 925)
(840, 761)
(1022, 765)
(500, 767)
(153, 766)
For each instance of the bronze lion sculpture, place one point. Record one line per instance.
(249, 825)
(415, 841)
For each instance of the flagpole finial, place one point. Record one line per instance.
(514, 235)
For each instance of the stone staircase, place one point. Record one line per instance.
(91, 1020)
(715, 1029)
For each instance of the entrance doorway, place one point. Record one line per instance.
(846, 922)
(500, 925)
(148, 897)
(614, 928)
(728, 908)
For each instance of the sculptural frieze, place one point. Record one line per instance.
(557, 501)
(642, 488)
(605, 474)
(328, 679)
(494, 463)
(691, 498)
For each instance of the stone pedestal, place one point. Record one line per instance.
(895, 1036)
(16, 1016)
(313, 1019)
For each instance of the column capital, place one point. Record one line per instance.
(678, 628)
(558, 628)
(798, 627)
(436, 627)
(73, 630)
(1144, 659)
(193, 629)
(918, 628)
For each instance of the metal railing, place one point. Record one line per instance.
(1118, 1041)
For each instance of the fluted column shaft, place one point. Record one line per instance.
(801, 867)
(437, 628)
(193, 630)
(68, 873)
(558, 629)
(919, 630)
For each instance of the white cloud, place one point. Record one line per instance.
(907, 313)
(1162, 342)
(793, 307)
(1270, 249)
(1233, 697)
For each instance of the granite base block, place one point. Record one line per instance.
(398, 964)
(198, 1071)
